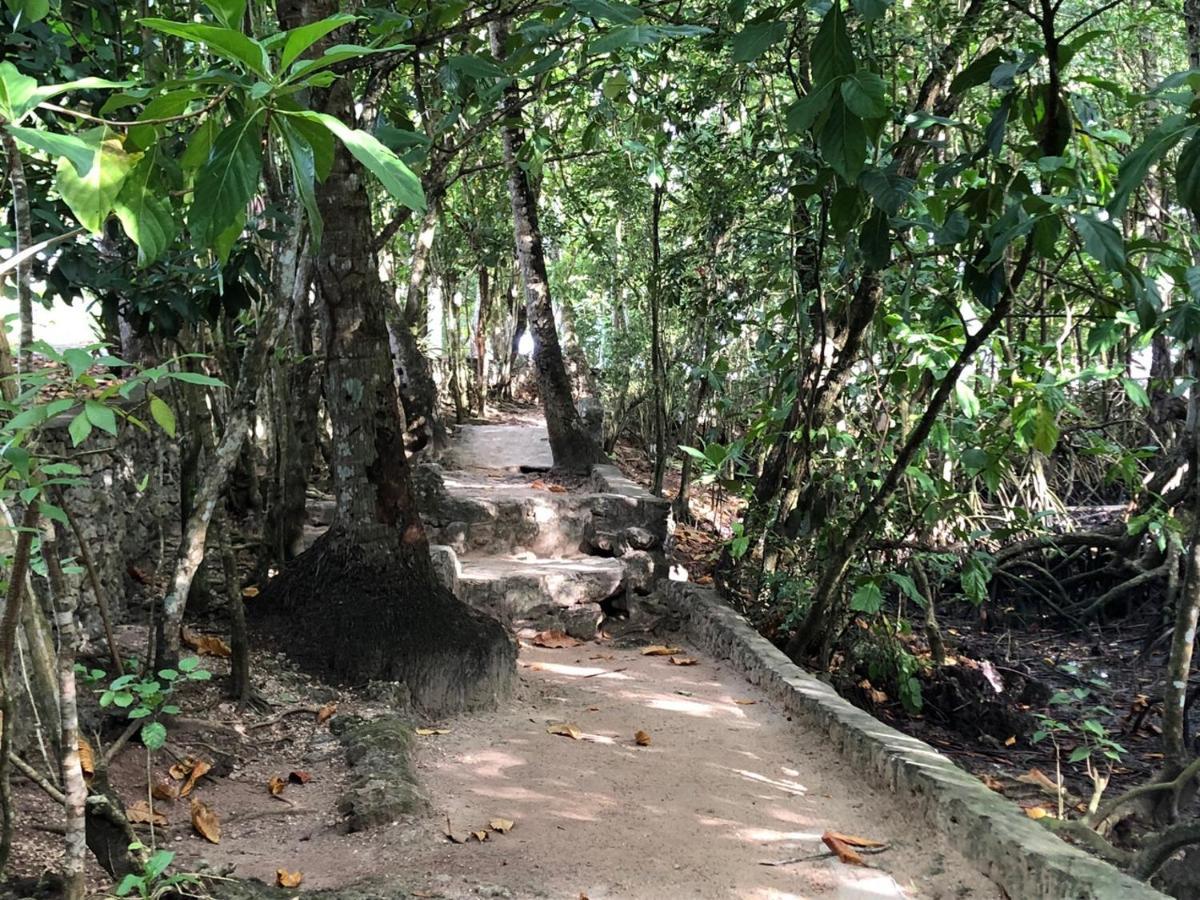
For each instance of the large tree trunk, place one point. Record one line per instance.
(572, 446)
(364, 602)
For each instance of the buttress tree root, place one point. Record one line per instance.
(374, 611)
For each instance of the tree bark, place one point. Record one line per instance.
(364, 602)
(570, 443)
(657, 375)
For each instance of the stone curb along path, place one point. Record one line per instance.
(1025, 859)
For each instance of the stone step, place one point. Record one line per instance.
(563, 592)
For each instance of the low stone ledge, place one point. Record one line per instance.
(1025, 859)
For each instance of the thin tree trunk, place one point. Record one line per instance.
(20, 193)
(481, 330)
(657, 375)
(570, 443)
(74, 788)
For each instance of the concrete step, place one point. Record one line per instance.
(563, 592)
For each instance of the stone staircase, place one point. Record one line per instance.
(509, 540)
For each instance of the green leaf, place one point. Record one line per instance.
(28, 11)
(300, 39)
(867, 599)
(1045, 431)
(1136, 166)
(303, 167)
(17, 92)
(875, 240)
(162, 414)
(755, 39)
(641, 36)
(196, 378)
(967, 401)
(1187, 176)
(79, 429)
(909, 587)
(888, 190)
(154, 735)
(977, 72)
(229, 12)
(1101, 241)
(832, 55)
(397, 178)
(228, 180)
(804, 112)
(306, 68)
(224, 42)
(1136, 393)
(144, 214)
(91, 196)
(476, 67)
(865, 94)
(843, 142)
(870, 10)
(101, 416)
(56, 146)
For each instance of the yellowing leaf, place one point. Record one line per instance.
(1036, 812)
(205, 821)
(683, 661)
(276, 785)
(251, 591)
(642, 739)
(566, 729)
(325, 713)
(140, 813)
(480, 836)
(504, 826)
(286, 879)
(554, 640)
(660, 650)
(1010, 740)
(425, 732)
(745, 702)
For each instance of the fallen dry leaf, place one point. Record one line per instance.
(182, 768)
(450, 835)
(602, 656)
(557, 489)
(841, 849)
(642, 739)
(566, 729)
(198, 771)
(325, 713)
(286, 879)
(538, 485)
(1010, 740)
(140, 813)
(164, 789)
(683, 661)
(276, 785)
(251, 591)
(206, 644)
(554, 640)
(1038, 777)
(1036, 812)
(299, 776)
(745, 702)
(205, 821)
(480, 836)
(853, 840)
(504, 826)
(425, 732)
(660, 650)
(991, 783)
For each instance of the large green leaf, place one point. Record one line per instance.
(870, 10)
(224, 42)
(16, 92)
(641, 36)
(889, 190)
(875, 241)
(476, 67)
(91, 195)
(300, 39)
(304, 174)
(57, 146)
(230, 12)
(843, 142)
(332, 56)
(397, 178)
(804, 112)
(600, 10)
(1136, 165)
(832, 55)
(164, 106)
(865, 94)
(227, 181)
(144, 212)
(1101, 241)
(1187, 176)
(755, 39)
